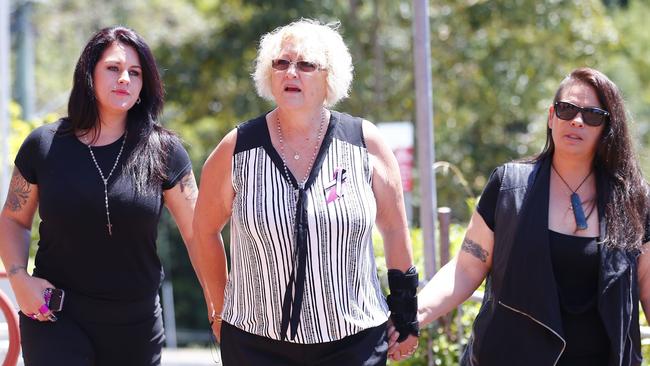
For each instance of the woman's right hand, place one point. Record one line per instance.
(29, 295)
(398, 351)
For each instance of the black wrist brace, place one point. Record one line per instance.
(403, 301)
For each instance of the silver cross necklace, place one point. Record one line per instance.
(109, 226)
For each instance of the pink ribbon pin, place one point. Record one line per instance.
(335, 186)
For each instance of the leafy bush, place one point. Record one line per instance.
(443, 340)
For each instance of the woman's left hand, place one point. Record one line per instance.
(402, 350)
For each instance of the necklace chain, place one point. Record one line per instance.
(567, 184)
(105, 180)
(313, 156)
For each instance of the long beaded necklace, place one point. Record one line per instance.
(105, 181)
(313, 156)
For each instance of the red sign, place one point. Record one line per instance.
(404, 157)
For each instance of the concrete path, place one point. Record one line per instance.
(190, 357)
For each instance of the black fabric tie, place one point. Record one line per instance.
(291, 305)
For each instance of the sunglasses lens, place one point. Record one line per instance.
(280, 64)
(306, 66)
(565, 111)
(594, 117)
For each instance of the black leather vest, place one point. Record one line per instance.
(519, 322)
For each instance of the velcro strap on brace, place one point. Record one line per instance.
(403, 302)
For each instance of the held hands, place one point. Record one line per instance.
(215, 324)
(403, 326)
(29, 292)
(398, 351)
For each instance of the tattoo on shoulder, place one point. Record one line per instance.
(474, 249)
(188, 186)
(15, 269)
(19, 190)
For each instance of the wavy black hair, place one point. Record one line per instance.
(625, 195)
(152, 142)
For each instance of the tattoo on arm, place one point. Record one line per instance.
(188, 187)
(19, 190)
(15, 269)
(474, 249)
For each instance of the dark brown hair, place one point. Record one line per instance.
(625, 196)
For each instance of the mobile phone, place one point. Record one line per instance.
(54, 298)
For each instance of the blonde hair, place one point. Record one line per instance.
(314, 42)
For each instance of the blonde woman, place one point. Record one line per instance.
(303, 186)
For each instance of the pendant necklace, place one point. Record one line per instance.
(296, 155)
(576, 203)
(109, 226)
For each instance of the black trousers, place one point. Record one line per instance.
(240, 348)
(95, 332)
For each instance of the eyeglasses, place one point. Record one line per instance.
(590, 115)
(304, 66)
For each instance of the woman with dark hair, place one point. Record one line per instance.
(560, 238)
(99, 178)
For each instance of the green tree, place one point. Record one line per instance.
(19, 131)
(496, 65)
(628, 65)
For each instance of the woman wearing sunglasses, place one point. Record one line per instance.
(303, 186)
(560, 238)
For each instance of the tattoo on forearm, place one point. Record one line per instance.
(188, 186)
(19, 190)
(474, 249)
(15, 269)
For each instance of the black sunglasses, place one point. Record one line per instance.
(281, 64)
(590, 115)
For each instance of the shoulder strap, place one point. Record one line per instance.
(349, 128)
(252, 134)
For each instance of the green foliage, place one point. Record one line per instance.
(19, 131)
(189, 304)
(628, 66)
(496, 65)
(62, 29)
(443, 340)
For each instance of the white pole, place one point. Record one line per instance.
(5, 95)
(169, 316)
(424, 127)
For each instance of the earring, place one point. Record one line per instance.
(138, 101)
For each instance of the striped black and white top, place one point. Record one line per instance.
(342, 295)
